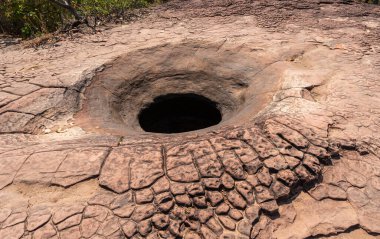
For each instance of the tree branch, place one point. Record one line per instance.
(67, 5)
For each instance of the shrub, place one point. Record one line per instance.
(371, 1)
(29, 18)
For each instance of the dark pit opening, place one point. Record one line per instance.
(176, 113)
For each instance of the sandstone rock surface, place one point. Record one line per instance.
(296, 155)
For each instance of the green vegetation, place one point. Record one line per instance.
(371, 1)
(30, 18)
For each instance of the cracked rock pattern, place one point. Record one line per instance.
(297, 157)
(199, 188)
(231, 183)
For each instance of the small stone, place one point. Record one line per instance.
(191, 212)
(287, 176)
(192, 235)
(144, 196)
(121, 200)
(276, 163)
(193, 224)
(143, 212)
(304, 174)
(162, 185)
(183, 200)
(227, 181)
(185, 173)
(129, 228)
(153, 235)
(233, 165)
(125, 211)
(207, 233)
(163, 197)
(318, 151)
(145, 165)
(263, 194)
(255, 231)
(246, 190)
(292, 161)
(236, 200)
(214, 197)
(222, 209)
(204, 215)
(280, 190)
(174, 228)
(235, 214)
(166, 206)
(144, 227)
(264, 177)
(177, 188)
(195, 189)
(164, 234)
(252, 213)
(232, 235)
(211, 183)
(244, 227)
(291, 151)
(253, 166)
(200, 201)
(312, 163)
(221, 143)
(269, 206)
(209, 166)
(164, 201)
(201, 148)
(160, 221)
(115, 171)
(227, 222)
(213, 224)
(180, 213)
(262, 146)
(252, 180)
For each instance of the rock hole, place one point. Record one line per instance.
(177, 113)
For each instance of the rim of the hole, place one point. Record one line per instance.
(179, 113)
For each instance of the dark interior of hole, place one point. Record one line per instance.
(176, 113)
